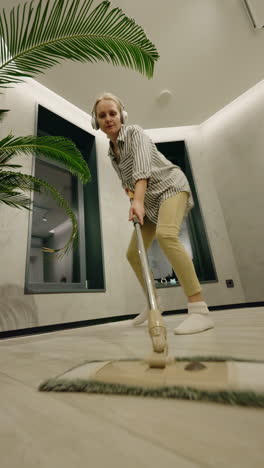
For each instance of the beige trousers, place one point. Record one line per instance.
(166, 231)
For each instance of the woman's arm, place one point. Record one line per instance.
(140, 190)
(137, 206)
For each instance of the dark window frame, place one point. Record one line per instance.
(178, 153)
(92, 272)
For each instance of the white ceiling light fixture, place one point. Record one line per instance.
(165, 93)
(255, 9)
(164, 96)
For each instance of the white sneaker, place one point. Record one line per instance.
(197, 321)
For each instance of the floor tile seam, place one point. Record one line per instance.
(65, 332)
(55, 397)
(4, 374)
(134, 433)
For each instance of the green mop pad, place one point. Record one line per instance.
(225, 380)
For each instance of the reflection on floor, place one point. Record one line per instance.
(48, 429)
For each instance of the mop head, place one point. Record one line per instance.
(227, 380)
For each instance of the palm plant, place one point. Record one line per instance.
(39, 37)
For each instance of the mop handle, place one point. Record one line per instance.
(144, 260)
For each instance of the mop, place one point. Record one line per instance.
(156, 326)
(216, 379)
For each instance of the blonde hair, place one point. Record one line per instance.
(108, 97)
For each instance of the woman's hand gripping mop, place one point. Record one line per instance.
(157, 329)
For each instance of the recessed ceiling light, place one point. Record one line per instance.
(165, 93)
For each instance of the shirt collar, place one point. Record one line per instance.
(122, 133)
(121, 137)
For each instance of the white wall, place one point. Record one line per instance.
(233, 142)
(122, 294)
(57, 308)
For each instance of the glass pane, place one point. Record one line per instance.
(161, 268)
(194, 235)
(52, 228)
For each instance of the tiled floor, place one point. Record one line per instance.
(40, 430)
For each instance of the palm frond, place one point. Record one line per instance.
(42, 36)
(9, 166)
(14, 199)
(10, 182)
(58, 149)
(5, 158)
(3, 113)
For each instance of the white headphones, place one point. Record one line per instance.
(123, 116)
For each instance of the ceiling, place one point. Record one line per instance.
(209, 55)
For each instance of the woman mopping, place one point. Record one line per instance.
(162, 198)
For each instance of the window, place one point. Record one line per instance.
(193, 234)
(82, 268)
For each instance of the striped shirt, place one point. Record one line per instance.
(140, 159)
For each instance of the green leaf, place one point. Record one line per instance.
(3, 113)
(11, 181)
(13, 166)
(42, 36)
(58, 149)
(14, 200)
